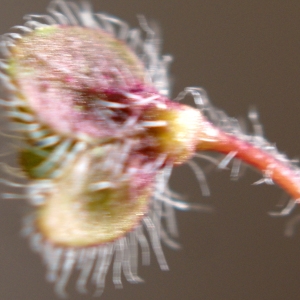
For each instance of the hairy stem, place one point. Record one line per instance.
(279, 171)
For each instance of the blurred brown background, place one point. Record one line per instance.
(243, 53)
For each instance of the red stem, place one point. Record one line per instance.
(213, 139)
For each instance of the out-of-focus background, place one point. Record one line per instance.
(244, 53)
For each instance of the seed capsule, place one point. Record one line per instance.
(83, 85)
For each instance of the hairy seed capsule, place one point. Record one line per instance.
(83, 85)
